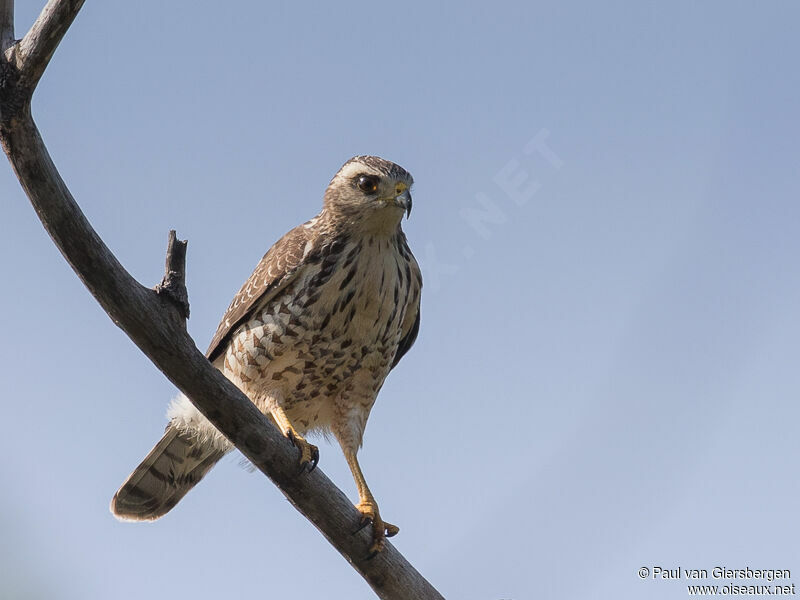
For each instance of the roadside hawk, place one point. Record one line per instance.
(310, 337)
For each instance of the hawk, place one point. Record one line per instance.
(310, 337)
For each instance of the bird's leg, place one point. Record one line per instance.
(369, 508)
(309, 453)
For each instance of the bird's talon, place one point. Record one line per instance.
(380, 528)
(309, 453)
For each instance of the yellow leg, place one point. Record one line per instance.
(369, 508)
(309, 453)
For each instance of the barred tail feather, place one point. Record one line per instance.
(172, 468)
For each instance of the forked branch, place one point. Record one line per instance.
(155, 319)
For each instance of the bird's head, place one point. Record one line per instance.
(371, 191)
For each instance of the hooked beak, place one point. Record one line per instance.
(403, 200)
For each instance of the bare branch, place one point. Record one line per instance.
(158, 327)
(6, 25)
(39, 44)
(173, 285)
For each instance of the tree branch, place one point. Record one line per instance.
(155, 320)
(173, 285)
(39, 44)
(6, 25)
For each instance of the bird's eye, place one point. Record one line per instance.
(368, 184)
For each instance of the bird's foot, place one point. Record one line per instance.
(309, 453)
(380, 528)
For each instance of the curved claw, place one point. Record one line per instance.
(365, 520)
(314, 458)
(309, 465)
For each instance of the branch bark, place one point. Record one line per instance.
(155, 319)
(173, 285)
(6, 26)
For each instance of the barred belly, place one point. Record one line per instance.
(323, 348)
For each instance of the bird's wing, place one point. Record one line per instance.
(272, 274)
(407, 341)
(411, 321)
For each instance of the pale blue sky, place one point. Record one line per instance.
(606, 376)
